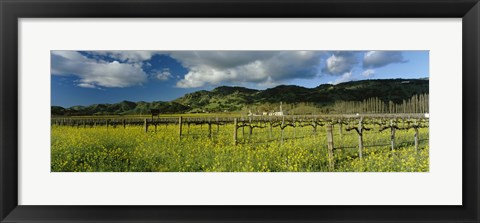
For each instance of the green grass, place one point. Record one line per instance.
(132, 150)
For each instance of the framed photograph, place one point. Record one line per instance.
(230, 111)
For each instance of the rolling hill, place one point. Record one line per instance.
(230, 99)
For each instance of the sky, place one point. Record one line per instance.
(93, 77)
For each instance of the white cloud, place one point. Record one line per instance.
(126, 56)
(375, 59)
(340, 62)
(344, 78)
(368, 73)
(260, 67)
(163, 74)
(96, 73)
(86, 85)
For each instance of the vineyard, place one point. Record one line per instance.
(309, 143)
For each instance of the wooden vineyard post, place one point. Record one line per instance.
(124, 123)
(416, 136)
(106, 122)
(209, 129)
(235, 131)
(340, 122)
(283, 126)
(392, 135)
(250, 132)
(250, 129)
(360, 137)
(294, 128)
(84, 124)
(145, 125)
(340, 129)
(243, 129)
(155, 124)
(180, 127)
(330, 146)
(314, 128)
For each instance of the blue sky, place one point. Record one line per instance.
(92, 77)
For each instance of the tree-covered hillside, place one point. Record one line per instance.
(234, 99)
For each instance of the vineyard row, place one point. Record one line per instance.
(356, 123)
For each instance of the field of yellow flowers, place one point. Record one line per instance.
(131, 149)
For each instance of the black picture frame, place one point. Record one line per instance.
(12, 10)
